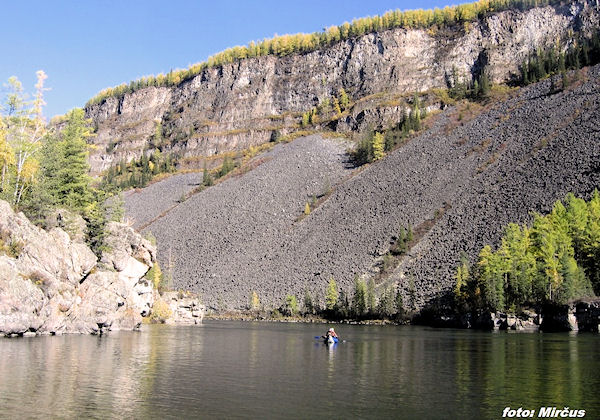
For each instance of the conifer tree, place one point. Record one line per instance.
(73, 181)
(371, 304)
(359, 300)
(307, 209)
(331, 296)
(254, 301)
(378, 146)
(344, 99)
(309, 307)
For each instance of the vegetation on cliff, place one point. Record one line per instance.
(555, 260)
(284, 45)
(540, 64)
(45, 167)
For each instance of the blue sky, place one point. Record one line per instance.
(85, 46)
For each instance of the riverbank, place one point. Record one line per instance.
(582, 316)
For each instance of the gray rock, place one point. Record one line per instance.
(54, 285)
(244, 234)
(230, 107)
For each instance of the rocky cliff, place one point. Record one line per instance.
(52, 283)
(475, 170)
(234, 106)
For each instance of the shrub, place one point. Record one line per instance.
(160, 312)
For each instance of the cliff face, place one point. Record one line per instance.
(234, 106)
(459, 183)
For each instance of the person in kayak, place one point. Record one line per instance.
(332, 333)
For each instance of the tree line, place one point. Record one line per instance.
(284, 45)
(363, 303)
(137, 173)
(542, 63)
(556, 259)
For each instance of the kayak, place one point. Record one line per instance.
(330, 340)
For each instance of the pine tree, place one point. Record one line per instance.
(336, 106)
(359, 300)
(386, 304)
(309, 307)
(305, 119)
(73, 181)
(399, 302)
(371, 304)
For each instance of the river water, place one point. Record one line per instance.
(277, 370)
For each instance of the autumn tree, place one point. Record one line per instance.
(378, 146)
(331, 296)
(23, 130)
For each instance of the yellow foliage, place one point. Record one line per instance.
(29, 169)
(157, 275)
(254, 301)
(288, 44)
(160, 311)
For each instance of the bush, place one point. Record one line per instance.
(160, 312)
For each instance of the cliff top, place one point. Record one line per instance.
(300, 43)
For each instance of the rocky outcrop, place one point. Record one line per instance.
(185, 308)
(588, 315)
(53, 284)
(234, 106)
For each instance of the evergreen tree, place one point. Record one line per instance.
(73, 181)
(359, 300)
(305, 119)
(309, 307)
(386, 306)
(371, 303)
(399, 302)
(227, 166)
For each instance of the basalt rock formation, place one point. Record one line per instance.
(234, 106)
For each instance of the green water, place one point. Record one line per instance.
(271, 370)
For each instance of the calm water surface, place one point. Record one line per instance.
(263, 370)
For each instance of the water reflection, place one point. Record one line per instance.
(263, 370)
